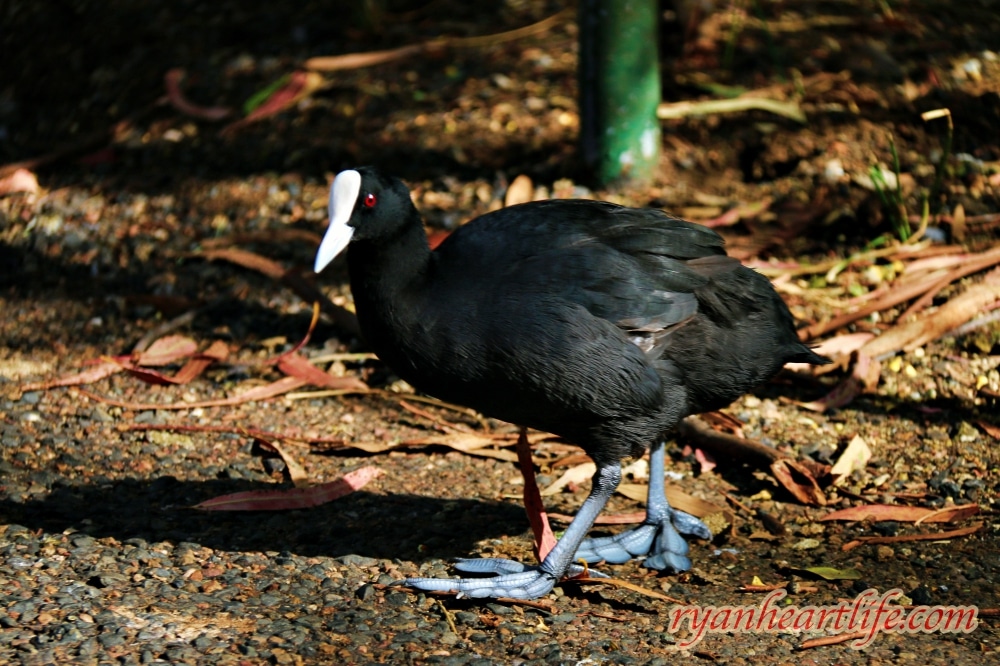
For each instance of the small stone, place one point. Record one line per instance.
(366, 592)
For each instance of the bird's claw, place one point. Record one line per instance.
(504, 578)
(660, 541)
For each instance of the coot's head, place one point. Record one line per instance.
(364, 205)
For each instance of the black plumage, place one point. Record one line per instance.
(600, 323)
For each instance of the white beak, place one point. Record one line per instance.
(343, 197)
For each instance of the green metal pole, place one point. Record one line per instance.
(619, 89)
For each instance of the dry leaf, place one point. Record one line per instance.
(855, 457)
(678, 499)
(903, 514)
(295, 365)
(292, 498)
(166, 350)
(96, 373)
(830, 573)
(574, 475)
(931, 536)
(799, 481)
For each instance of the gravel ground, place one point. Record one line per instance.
(103, 560)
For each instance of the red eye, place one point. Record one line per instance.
(370, 200)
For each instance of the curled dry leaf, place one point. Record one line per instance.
(799, 481)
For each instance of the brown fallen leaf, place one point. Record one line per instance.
(903, 514)
(573, 476)
(96, 373)
(740, 212)
(798, 480)
(247, 259)
(678, 499)
(217, 351)
(928, 536)
(166, 350)
(296, 365)
(292, 498)
(901, 294)
(631, 518)
(990, 429)
(930, 326)
(368, 59)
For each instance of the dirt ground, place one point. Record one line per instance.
(102, 560)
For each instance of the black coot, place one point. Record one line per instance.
(603, 324)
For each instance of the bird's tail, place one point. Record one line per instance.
(804, 354)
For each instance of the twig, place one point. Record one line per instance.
(982, 262)
(826, 266)
(343, 357)
(832, 640)
(903, 294)
(675, 110)
(358, 60)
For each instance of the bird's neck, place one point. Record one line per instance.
(388, 277)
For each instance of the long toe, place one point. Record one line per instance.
(669, 552)
(687, 524)
(661, 542)
(619, 548)
(528, 584)
(496, 566)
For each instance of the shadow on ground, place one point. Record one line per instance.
(407, 527)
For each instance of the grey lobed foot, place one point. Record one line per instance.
(659, 540)
(507, 578)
